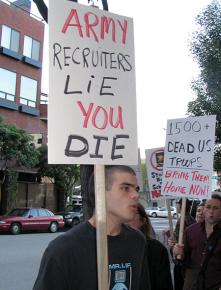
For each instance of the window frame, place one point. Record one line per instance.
(28, 101)
(30, 47)
(8, 95)
(11, 38)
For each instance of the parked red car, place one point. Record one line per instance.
(23, 219)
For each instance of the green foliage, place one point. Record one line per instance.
(15, 145)
(12, 186)
(144, 174)
(64, 176)
(206, 49)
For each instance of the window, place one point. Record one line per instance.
(33, 212)
(10, 38)
(7, 84)
(43, 212)
(31, 48)
(28, 92)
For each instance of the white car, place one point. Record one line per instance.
(162, 212)
(151, 210)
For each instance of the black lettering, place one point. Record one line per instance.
(73, 58)
(170, 147)
(66, 56)
(99, 138)
(106, 87)
(115, 147)
(67, 85)
(56, 52)
(130, 66)
(190, 148)
(120, 58)
(85, 53)
(76, 153)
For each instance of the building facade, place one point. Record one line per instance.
(21, 55)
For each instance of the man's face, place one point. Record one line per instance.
(122, 198)
(212, 211)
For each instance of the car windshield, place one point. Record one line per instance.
(73, 208)
(18, 212)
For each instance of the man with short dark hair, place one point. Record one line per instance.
(202, 249)
(69, 262)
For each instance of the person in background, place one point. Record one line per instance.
(199, 212)
(157, 254)
(201, 250)
(70, 260)
(178, 270)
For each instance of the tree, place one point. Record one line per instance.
(16, 150)
(206, 49)
(65, 177)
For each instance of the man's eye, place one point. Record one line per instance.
(126, 188)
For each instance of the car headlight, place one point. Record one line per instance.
(2, 222)
(67, 216)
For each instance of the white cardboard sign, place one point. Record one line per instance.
(188, 157)
(92, 95)
(154, 162)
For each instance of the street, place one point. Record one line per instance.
(20, 255)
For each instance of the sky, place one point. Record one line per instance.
(164, 63)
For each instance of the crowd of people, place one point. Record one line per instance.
(137, 260)
(200, 253)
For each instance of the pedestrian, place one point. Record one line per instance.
(70, 262)
(179, 267)
(157, 254)
(199, 212)
(201, 249)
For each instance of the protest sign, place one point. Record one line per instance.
(92, 105)
(188, 157)
(154, 163)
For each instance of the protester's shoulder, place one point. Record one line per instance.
(72, 237)
(193, 227)
(156, 245)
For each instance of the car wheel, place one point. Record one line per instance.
(75, 222)
(15, 229)
(53, 227)
(154, 214)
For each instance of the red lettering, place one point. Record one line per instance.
(92, 21)
(199, 190)
(105, 24)
(119, 121)
(95, 116)
(89, 26)
(124, 30)
(85, 114)
(168, 174)
(100, 115)
(68, 23)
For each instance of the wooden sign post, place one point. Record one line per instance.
(170, 218)
(182, 223)
(101, 227)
